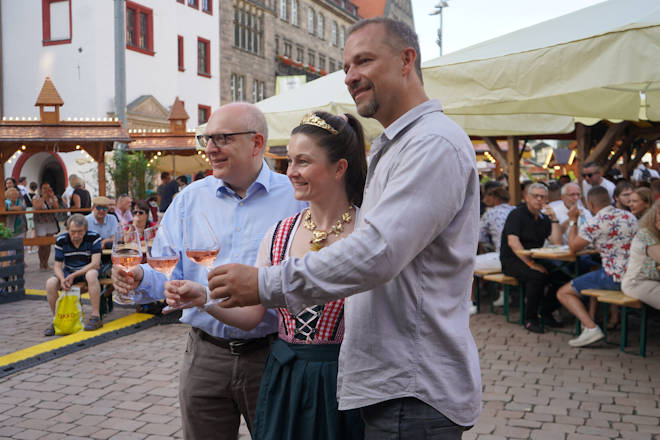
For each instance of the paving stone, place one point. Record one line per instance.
(512, 432)
(559, 428)
(104, 434)
(591, 430)
(159, 429)
(641, 420)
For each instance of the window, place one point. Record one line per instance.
(139, 28)
(294, 12)
(333, 35)
(311, 58)
(203, 113)
(331, 65)
(342, 32)
(237, 82)
(310, 21)
(56, 22)
(180, 52)
(193, 4)
(248, 31)
(321, 62)
(203, 57)
(288, 49)
(207, 6)
(283, 9)
(277, 45)
(300, 54)
(257, 90)
(320, 26)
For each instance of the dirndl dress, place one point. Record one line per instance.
(298, 392)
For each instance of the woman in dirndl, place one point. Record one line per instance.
(297, 396)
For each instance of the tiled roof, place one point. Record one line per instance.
(178, 111)
(63, 133)
(185, 143)
(370, 8)
(48, 94)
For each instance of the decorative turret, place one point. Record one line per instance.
(178, 117)
(49, 103)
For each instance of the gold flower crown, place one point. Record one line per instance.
(312, 119)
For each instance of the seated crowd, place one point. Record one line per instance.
(618, 220)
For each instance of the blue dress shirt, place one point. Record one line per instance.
(239, 225)
(105, 229)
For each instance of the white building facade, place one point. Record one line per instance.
(172, 49)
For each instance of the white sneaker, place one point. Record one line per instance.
(473, 309)
(499, 302)
(588, 336)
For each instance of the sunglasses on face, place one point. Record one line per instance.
(590, 174)
(139, 212)
(101, 208)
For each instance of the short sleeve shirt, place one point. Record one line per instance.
(76, 257)
(531, 231)
(611, 230)
(492, 223)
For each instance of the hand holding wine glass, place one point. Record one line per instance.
(127, 254)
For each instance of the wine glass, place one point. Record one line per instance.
(126, 252)
(162, 257)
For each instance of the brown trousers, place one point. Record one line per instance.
(216, 388)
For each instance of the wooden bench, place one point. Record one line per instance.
(47, 240)
(507, 282)
(618, 298)
(106, 304)
(478, 274)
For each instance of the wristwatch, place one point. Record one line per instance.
(571, 223)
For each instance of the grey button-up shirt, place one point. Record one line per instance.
(412, 255)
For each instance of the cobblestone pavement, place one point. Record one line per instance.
(535, 387)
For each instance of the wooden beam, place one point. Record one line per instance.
(3, 156)
(513, 162)
(495, 149)
(101, 169)
(583, 137)
(614, 132)
(612, 160)
(641, 151)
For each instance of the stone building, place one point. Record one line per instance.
(262, 40)
(397, 9)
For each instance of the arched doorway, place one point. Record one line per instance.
(42, 167)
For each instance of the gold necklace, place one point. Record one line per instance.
(319, 237)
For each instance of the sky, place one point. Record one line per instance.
(467, 22)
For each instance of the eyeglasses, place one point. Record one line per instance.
(219, 139)
(538, 196)
(101, 208)
(139, 212)
(590, 174)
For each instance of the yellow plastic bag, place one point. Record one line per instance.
(68, 313)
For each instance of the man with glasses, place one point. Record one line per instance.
(103, 224)
(222, 365)
(527, 227)
(570, 196)
(594, 177)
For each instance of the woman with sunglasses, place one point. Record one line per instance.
(297, 396)
(141, 219)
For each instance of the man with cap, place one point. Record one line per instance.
(103, 224)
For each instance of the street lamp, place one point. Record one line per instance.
(438, 11)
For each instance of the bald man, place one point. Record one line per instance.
(222, 365)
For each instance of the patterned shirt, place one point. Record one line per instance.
(492, 223)
(640, 265)
(611, 230)
(76, 257)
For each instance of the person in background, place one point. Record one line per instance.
(123, 209)
(554, 191)
(77, 260)
(570, 196)
(621, 195)
(641, 199)
(103, 224)
(68, 192)
(655, 188)
(33, 190)
(564, 179)
(152, 201)
(182, 181)
(199, 175)
(112, 206)
(22, 187)
(593, 177)
(15, 223)
(503, 179)
(642, 279)
(141, 220)
(80, 197)
(166, 190)
(611, 231)
(527, 227)
(644, 173)
(10, 182)
(45, 224)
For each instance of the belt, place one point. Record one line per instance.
(237, 347)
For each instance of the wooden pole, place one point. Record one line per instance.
(101, 168)
(583, 137)
(2, 185)
(513, 162)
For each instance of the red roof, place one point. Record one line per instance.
(370, 8)
(183, 143)
(48, 94)
(64, 133)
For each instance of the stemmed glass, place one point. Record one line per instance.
(126, 252)
(201, 246)
(162, 257)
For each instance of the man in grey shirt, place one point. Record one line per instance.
(408, 359)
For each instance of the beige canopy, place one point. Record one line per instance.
(600, 62)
